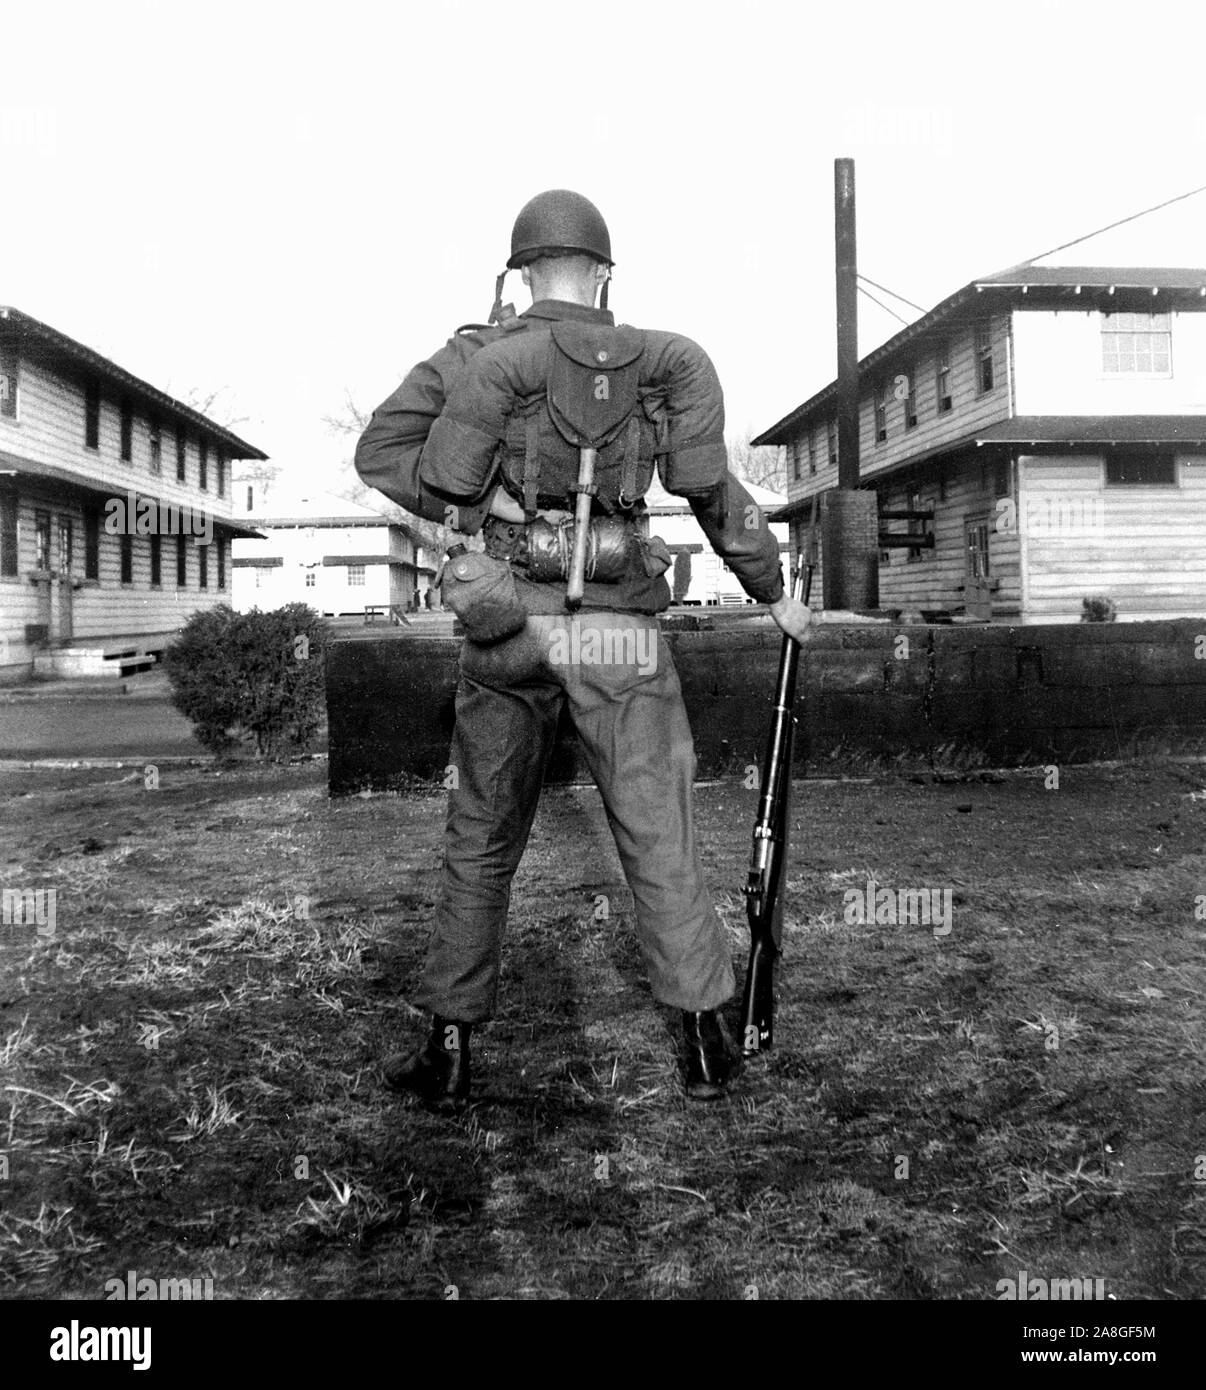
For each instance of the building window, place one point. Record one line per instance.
(1136, 344)
(812, 455)
(203, 465)
(881, 414)
(66, 544)
(311, 579)
(221, 461)
(943, 379)
(8, 534)
(8, 383)
(91, 543)
(795, 460)
(250, 490)
(156, 561)
(156, 447)
(1000, 478)
(181, 454)
(181, 562)
(203, 567)
(220, 560)
(127, 559)
(984, 376)
(41, 540)
(127, 431)
(355, 576)
(1141, 470)
(92, 416)
(831, 441)
(911, 401)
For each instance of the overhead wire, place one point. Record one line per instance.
(1109, 227)
(883, 306)
(885, 290)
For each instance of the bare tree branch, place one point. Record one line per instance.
(764, 466)
(207, 404)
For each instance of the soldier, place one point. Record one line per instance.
(489, 435)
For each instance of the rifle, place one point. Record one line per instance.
(768, 860)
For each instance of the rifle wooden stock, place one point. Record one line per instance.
(768, 859)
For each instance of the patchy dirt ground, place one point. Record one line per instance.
(190, 1084)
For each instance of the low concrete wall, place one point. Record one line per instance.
(983, 693)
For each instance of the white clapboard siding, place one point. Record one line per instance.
(1142, 547)
(50, 429)
(105, 606)
(970, 410)
(937, 579)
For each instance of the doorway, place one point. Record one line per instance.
(977, 582)
(66, 579)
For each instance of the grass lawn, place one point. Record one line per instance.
(190, 1080)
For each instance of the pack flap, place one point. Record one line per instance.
(584, 342)
(592, 380)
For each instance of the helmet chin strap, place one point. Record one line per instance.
(501, 312)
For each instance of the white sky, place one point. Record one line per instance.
(291, 201)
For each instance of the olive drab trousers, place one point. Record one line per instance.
(615, 672)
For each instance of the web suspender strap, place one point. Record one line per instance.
(531, 465)
(632, 459)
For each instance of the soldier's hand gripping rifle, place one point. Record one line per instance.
(768, 861)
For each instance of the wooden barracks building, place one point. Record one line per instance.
(115, 509)
(1044, 428)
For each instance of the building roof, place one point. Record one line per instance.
(297, 505)
(56, 346)
(1088, 287)
(663, 503)
(1100, 430)
(1145, 278)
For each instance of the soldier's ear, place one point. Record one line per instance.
(526, 273)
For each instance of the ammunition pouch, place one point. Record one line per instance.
(480, 590)
(551, 549)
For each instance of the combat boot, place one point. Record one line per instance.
(439, 1071)
(711, 1059)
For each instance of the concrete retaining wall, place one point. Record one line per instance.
(996, 694)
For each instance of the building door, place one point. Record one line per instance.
(44, 575)
(977, 583)
(66, 578)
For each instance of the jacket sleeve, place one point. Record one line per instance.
(695, 466)
(740, 534)
(389, 454)
(460, 453)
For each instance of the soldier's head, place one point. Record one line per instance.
(561, 245)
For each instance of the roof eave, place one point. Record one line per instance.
(63, 346)
(1184, 285)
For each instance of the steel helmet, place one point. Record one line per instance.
(559, 220)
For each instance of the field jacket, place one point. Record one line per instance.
(427, 471)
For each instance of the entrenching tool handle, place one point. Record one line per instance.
(577, 574)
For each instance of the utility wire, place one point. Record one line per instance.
(893, 293)
(1110, 227)
(883, 306)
